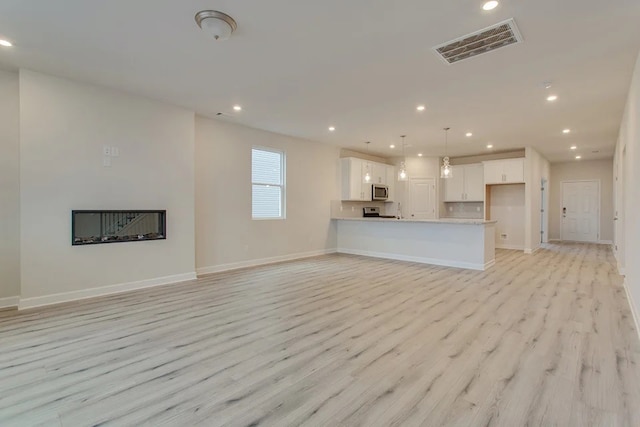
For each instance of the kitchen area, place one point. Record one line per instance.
(407, 210)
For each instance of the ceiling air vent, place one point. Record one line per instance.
(486, 40)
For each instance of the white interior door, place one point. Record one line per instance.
(580, 211)
(422, 198)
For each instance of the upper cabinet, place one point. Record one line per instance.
(390, 173)
(465, 185)
(508, 171)
(354, 186)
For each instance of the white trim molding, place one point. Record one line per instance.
(633, 307)
(605, 242)
(511, 247)
(421, 260)
(261, 261)
(25, 303)
(9, 302)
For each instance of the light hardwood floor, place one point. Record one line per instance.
(538, 340)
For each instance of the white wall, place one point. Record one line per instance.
(599, 170)
(63, 127)
(226, 236)
(507, 206)
(629, 190)
(536, 168)
(9, 187)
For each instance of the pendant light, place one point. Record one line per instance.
(402, 173)
(367, 175)
(445, 170)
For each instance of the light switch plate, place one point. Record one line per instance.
(106, 150)
(115, 151)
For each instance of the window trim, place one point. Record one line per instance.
(282, 185)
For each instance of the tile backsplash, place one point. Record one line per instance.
(473, 210)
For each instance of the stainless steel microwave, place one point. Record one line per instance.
(379, 192)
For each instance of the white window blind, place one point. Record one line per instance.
(267, 182)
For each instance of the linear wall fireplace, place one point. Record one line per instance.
(94, 227)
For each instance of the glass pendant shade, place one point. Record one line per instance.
(402, 173)
(445, 169)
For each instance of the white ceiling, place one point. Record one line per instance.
(297, 67)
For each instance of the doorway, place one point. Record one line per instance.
(580, 211)
(422, 198)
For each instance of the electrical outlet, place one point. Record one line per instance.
(504, 236)
(106, 150)
(106, 161)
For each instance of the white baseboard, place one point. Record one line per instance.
(605, 242)
(514, 247)
(532, 251)
(102, 291)
(421, 260)
(621, 270)
(633, 306)
(261, 261)
(9, 302)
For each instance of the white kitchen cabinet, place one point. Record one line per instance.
(353, 186)
(507, 171)
(465, 185)
(378, 173)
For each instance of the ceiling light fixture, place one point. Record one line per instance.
(419, 154)
(566, 131)
(573, 147)
(445, 169)
(490, 146)
(578, 157)
(5, 43)
(331, 128)
(237, 108)
(402, 173)
(469, 135)
(218, 24)
(392, 146)
(490, 5)
(420, 107)
(552, 98)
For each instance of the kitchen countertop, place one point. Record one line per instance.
(436, 221)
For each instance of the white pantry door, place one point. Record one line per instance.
(580, 211)
(422, 198)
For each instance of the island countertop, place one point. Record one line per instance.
(436, 221)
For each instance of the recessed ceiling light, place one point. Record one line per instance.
(5, 43)
(552, 98)
(566, 131)
(490, 5)
(392, 146)
(578, 157)
(420, 108)
(419, 154)
(237, 108)
(490, 146)
(331, 128)
(573, 147)
(469, 134)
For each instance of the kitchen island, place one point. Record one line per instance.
(463, 243)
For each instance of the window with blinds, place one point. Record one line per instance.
(267, 182)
